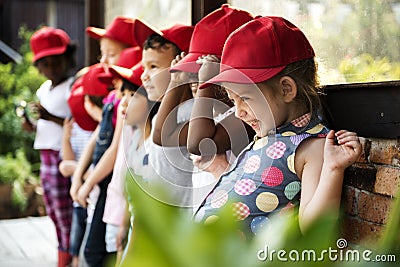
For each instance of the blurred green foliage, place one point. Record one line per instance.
(19, 162)
(163, 236)
(18, 82)
(367, 68)
(17, 172)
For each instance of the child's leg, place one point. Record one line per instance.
(78, 226)
(95, 247)
(56, 195)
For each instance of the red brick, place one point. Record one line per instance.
(385, 151)
(361, 176)
(369, 233)
(387, 180)
(373, 207)
(349, 229)
(349, 200)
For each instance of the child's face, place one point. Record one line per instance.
(53, 67)
(156, 76)
(261, 109)
(134, 108)
(93, 110)
(110, 51)
(117, 84)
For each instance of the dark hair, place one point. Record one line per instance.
(97, 100)
(70, 55)
(156, 41)
(304, 73)
(127, 85)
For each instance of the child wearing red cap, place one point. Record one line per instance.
(102, 175)
(171, 162)
(215, 26)
(269, 72)
(53, 55)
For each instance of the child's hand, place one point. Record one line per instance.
(209, 67)
(67, 128)
(216, 165)
(73, 191)
(179, 77)
(94, 111)
(83, 194)
(341, 155)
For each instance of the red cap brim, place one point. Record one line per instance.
(105, 78)
(95, 33)
(141, 31)
(187, 64)
(243, 76)
(49, 52)
(132, 75)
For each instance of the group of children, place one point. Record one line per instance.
(226, 111)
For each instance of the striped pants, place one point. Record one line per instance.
(56, 196)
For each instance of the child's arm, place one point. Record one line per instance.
(45, 115)
(83, 165)
(67, 152)
(167, 131)
(322, 175)
(205, 137)
(104, 167)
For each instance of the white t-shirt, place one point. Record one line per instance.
(55, 101)
(79, 140)
(173, 165)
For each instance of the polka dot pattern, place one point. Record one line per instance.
(219, 199)
(264, 184)
(276, 150)
(302, 121)
(252, 164)
(258, 224)
(290, 163)
(260, 143)
(296, 139)
(272, 176)
(289, 133)
(211, 219)
(292, 189)
(267, 201)
(241, 210)
(245, 187)
(316, 129)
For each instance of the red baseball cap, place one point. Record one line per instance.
(260, 49)
(91, 84)
(76, 103)
(49, 41)
(178, 34)
(215, 27)
(131, 74)
(128, 58)
(120, 29)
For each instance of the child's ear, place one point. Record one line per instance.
(288, 88)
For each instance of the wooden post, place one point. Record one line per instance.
(200, 8)
(94, 17)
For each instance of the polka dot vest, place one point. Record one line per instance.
(263, 181)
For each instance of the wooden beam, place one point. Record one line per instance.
(94, 17)
(200, 8)
(370, 109)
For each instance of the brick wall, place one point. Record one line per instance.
(369, 187)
